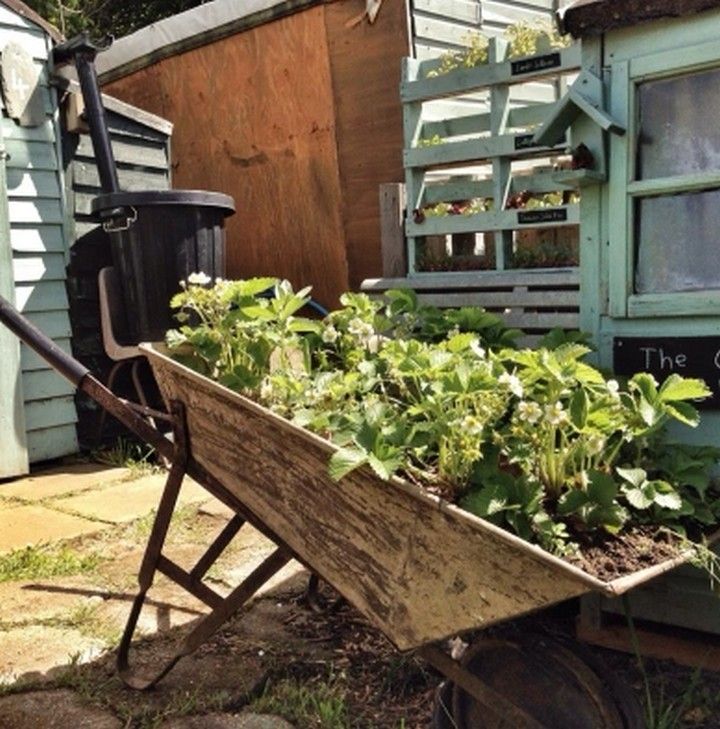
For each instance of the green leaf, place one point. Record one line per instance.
(254, 286)
(346, 460)
(383, 468)
(486, 501)
(638, 499)
(666, 496)
(645, 383)
(571, 502)
(257, 312)
(684, 412)
(681, 388)
(460, 342)
(636, 476)
(610, 518)
(602, 489)
(579, 408)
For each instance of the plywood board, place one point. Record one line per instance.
(365, 64)
(253, 116)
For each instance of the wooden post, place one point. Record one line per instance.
(502, 167)
(414, 177)
(392, 230)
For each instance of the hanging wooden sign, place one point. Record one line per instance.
(20, 84)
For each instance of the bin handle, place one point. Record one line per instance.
(113, 225)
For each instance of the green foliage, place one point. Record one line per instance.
(524, 40)
(100, 17)
(314, 703)
(34, 563)
(537, 441)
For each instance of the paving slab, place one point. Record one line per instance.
(62, 480)
(126, 501)
(227, 721)
(37, 601)
(36, 651)
(22, 526)
(60, 709)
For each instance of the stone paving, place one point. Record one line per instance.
(51, 626)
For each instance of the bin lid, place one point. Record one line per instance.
(115, 200)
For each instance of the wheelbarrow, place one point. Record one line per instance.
(418, 568)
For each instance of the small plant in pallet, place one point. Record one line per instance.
(538, 441)
(524, 40)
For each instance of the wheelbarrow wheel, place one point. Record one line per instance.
(545, 677)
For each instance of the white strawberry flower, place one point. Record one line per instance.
(555, 413)
(199, 279)
(513, 383)
(530, 412)
(330, 334)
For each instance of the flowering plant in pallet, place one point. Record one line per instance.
(538, 441)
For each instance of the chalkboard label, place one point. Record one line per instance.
(533, 217)
(539, 63)
(663, 356)
(525, 141)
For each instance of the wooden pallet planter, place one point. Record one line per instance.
(496, 139)
(534, 301)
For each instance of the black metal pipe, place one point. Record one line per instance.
(80, 376)
(82, 51)
(84, 63)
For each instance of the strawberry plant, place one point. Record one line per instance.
(537, 441)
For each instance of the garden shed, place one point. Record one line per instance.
(293, 108)
(650, 279)
(37, 410)
(50, 252)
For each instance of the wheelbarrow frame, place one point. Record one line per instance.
(184, 461)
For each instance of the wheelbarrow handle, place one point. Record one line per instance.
(80, 376)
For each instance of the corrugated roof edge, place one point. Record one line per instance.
(21, 9)
(193, 28)
(120, 107)
(593, 17)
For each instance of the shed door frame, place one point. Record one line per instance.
(13, 438)
(625, 188)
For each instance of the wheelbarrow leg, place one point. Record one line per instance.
(155, 561)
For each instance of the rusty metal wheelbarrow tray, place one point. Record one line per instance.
(417, 567)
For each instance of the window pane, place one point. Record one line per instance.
(678, 242)
(679, 129)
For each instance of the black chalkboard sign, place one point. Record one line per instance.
(538, 63)
(663, 356)
(548, 215)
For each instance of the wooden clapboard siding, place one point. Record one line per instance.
(141, 145)
(38, 239)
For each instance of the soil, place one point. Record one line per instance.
(608, 557)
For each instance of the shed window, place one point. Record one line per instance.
(678, 242)
(679, 132)
(676, 236)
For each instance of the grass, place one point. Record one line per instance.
(136, 457)
(39, 562)
(310, 703)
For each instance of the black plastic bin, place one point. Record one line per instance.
(159, 238)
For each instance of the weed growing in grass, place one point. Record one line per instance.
(136, 457)
(311, 703)
(37, 562)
